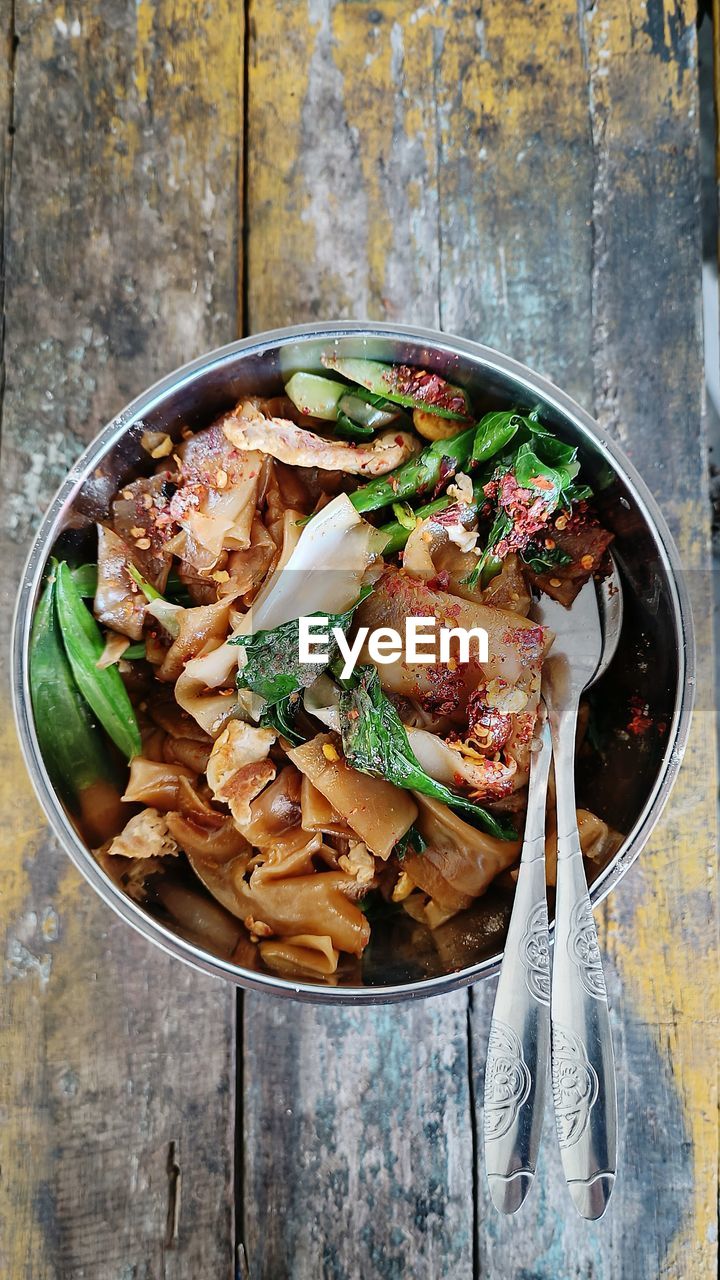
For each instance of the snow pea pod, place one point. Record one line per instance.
(102, 688)
(71, 745)
(85, 579)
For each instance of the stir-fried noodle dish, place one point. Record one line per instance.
(283, 806)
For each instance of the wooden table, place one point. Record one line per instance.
(177, 172)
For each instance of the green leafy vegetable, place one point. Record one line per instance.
(102, 689)
(71, 745)
(375, 742)
(273, 669)
(494, 432)
(411, 842)
(281, 716)
(376, 908)
(576, 493)
(545, 469)
(346, 682)
(540, 559)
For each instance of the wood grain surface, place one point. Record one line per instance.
(117, 1077)
(524, 174)
(490, 169)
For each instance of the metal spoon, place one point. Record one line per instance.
(516, 1070)
(582, 1060)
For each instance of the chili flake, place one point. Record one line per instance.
(640, 719)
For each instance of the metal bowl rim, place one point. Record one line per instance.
(492, 360)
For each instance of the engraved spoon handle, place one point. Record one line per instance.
(583, 1067)
(517, 1059)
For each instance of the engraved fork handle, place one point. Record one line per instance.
(583, 1067)
(517, 1058)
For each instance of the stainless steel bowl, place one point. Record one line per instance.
(655, 661)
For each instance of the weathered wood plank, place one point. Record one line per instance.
(358, 1144)
(633, 218)
(662, 935)
(514, 137)
(539, 241)
(7, 59)
(117, 1079)
(358, 1132)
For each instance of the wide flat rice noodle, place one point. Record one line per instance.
(459, 862)
(118, 601)
(301, 956)
(516, 646)
(311, 904)
(154, 783)
(376, 810)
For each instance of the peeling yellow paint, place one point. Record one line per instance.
(667, 952)
(144, 15)
(468, 86)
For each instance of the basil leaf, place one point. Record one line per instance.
(493, 433)
(280, 716)
(540, 559)
(375, 908)
(375, 741)
(577, 493)
(549, 448)
(273, 669)
(411, 842)
(531, 473)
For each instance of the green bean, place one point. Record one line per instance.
(71, 745)
(102, 689)
(415, 477)
(398, 533)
